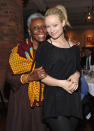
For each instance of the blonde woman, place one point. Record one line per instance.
(61, 61)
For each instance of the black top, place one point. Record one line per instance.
(59, 63)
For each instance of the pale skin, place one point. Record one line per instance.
(55, 30)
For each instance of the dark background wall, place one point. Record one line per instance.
(11, 30)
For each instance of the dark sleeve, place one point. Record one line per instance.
(83, 62)
(12, 81)
(78, 58)
(38, 58)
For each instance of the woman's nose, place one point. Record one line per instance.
(51, 29)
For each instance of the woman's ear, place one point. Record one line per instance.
(63, 23)
(29, 32)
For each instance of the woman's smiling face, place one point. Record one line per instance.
(54, 26)
(38, 29)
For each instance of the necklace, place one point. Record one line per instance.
(62, 44)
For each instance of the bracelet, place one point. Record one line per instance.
(24, 78)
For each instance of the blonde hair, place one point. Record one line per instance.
(60, 11)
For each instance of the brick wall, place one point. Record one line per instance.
(11, 30)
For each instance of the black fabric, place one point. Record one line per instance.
(59, 63)
(62, 123)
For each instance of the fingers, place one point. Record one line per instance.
(75, 82)
(39, 68)
(41, 72)
(69, 79)
(68, 86)
(37, 74)
(74, 77)
(74, 87)
(71, 86)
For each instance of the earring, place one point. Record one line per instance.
(31, 38)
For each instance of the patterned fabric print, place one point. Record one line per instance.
(20, 65)
(36, 93)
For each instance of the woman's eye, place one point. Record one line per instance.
(36, 28)
(55, 25)
(43, 27)
(47, 26)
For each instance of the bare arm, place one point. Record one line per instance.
(65, 84)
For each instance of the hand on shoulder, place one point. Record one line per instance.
(73, 42)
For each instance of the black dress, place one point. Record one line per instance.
(59, 63)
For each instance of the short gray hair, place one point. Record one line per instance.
(32, 17)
